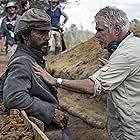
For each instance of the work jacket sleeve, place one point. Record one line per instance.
(16, 93)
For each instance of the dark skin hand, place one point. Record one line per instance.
(60, 118)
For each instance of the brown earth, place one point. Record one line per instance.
(77, 63)
(88, 120)
(87, 115)
(13, 127)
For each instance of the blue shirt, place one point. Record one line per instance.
(55, 16)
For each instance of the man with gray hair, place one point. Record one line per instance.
(119, 78)
(23, 89)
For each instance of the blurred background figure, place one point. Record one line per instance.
(55, 12)
(24, 6)
(7, 36)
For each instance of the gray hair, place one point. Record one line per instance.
(113, 16)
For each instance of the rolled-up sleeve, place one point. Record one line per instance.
(97, 85)
(111, 75)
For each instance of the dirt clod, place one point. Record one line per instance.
(12, 126)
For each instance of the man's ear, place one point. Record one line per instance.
(117, 29)
(25, 37)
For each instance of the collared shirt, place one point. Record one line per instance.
(120, 79)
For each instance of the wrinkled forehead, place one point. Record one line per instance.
(100, 22)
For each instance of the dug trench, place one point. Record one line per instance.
(87, 115)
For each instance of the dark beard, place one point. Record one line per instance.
(44, 48)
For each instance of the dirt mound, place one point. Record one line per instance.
(13, 127)
(78, 62)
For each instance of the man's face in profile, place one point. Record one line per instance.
(40, 40)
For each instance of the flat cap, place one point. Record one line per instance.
(34, 19)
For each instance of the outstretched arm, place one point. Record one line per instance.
(79, 86)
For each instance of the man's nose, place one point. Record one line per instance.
(97, 35)
(46, 36)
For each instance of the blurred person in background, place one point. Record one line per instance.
(55, 12)
(24, 6)
(8, 40)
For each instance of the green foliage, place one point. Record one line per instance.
(72, 35)
(42, 4)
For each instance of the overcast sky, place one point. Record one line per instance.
(83, 13)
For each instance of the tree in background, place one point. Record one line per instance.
(72, 35)
(42, 4)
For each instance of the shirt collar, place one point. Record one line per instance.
(36, 54)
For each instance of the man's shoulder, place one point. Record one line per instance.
(59, 8)
(20, 62)
(18, 15)
(20, 12)
(3, 22)
(4, 19)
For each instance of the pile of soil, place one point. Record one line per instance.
(13, 127)
(77, 63)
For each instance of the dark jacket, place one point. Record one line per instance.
(25, 90)
(7, 27)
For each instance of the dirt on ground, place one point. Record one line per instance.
(87, 115)
(12, 125)
(90, 121)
